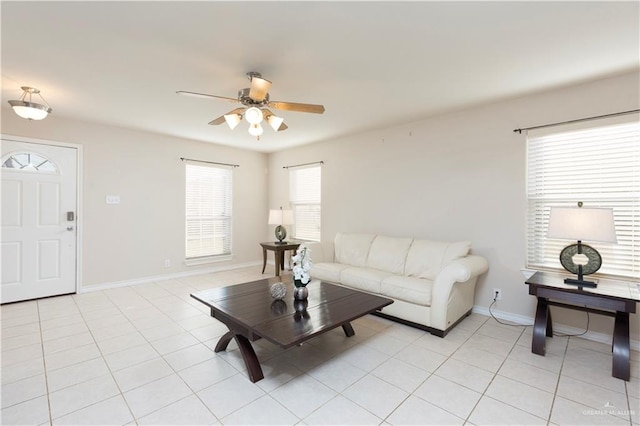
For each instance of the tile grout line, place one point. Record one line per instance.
(194, 393)
(95, 342)
(555, 391)
(44, 365)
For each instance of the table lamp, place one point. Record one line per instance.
(280, 218)
(581, 223)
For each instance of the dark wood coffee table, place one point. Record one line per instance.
(250, 313)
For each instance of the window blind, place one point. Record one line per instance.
(305, 197)
(599, 166)
(208, 210)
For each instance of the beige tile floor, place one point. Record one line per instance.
(144, 355)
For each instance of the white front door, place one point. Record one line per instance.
(39, 204)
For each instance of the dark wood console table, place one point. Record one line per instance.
(612, 298)
(278, 253)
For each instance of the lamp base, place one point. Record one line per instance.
(281, 234)
(580, 283)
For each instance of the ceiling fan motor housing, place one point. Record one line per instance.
(243, 97)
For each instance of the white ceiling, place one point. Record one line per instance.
(371, 64)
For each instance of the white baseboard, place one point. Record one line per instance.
(564, 329)
(164, 277)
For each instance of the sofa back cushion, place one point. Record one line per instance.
(427, 258)
(389, 254)
(353, 249)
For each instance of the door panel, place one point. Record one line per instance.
(11, 262)
(39, 187)
(49, 257)
(48, 204)
(11, 211)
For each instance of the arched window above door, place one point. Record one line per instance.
(29, 161)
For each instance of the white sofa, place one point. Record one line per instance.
(432, 283)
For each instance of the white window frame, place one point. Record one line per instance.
(305, 196)
(597, 163)
(208, 212)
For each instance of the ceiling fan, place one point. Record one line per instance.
(256, 100)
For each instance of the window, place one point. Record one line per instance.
(29, 161)
(304, 192)
(599, 166)
(208, 211)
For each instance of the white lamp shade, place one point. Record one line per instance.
(280, 217)
(275, 122)
(232, 120)
(253, 115)
(582, 224)
(255, 130)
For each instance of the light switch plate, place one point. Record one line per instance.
(113, 199)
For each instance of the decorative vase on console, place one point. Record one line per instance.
(301, 267)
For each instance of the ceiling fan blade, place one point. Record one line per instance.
(221, 119)
(259, 88)
(206, 96)
(292, 106)
(217, 121)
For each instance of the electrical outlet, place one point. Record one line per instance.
(497, 294)
(167, 263)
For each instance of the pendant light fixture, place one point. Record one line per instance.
(28, 109)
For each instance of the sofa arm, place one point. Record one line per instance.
(465, 270)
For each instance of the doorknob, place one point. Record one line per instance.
(69, 228)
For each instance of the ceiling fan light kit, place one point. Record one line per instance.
(253, 115)
(255, 129)
(29, 109)
(233, 120)
(275, 122)
(256, 100)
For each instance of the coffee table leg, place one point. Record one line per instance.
(246, 350)
(224, 342)
(264, 259)
(348, 330)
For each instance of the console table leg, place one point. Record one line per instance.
(621, 367)
(348, 329)
(540, 327)
(264, 259)
(277, 260)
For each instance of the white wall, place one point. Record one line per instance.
(130, 241)
(456, 176)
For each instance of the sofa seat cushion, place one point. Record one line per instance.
(327, 271)
(365, 279)
(408, 289)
